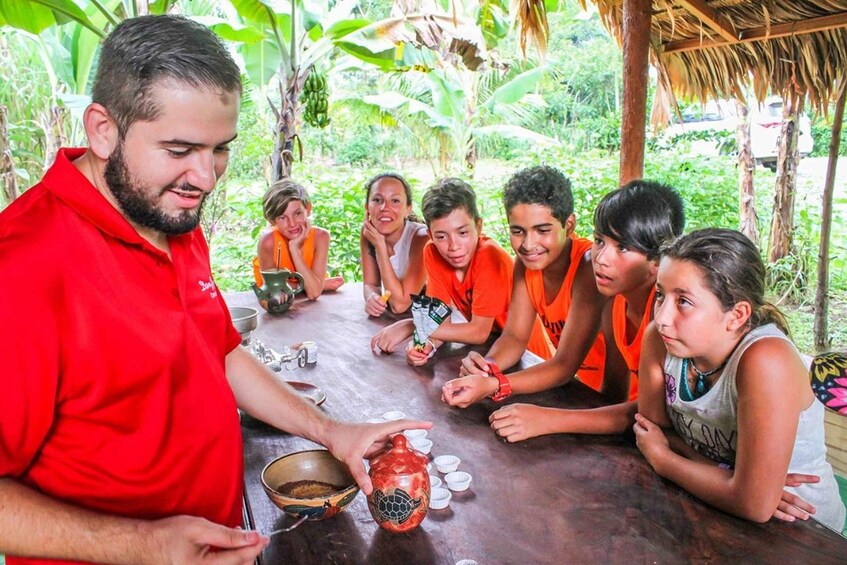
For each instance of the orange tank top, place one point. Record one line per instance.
(554, 315)
(283, 257)
(631, 352)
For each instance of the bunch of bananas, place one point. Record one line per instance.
(316, 95)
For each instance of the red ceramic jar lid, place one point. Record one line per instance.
(398, 459)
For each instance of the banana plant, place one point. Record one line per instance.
(288, 45)
(465, 107)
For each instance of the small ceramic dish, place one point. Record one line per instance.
(375, 421)
(415, 434)
(434, 482)
(393, 415)
(458, 480)
(439, 498)
(446, 463)
(423, 445)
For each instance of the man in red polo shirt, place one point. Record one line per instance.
(120, 369)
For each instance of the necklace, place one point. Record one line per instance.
(700, 385)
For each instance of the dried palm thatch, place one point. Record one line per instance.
(531, 18)
(724, 48)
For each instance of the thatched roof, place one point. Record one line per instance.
(721, 48)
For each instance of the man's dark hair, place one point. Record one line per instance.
(447, 195)
(540, 185)
(142, 51)
(641, 215)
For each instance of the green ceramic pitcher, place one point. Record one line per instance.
(276, 295)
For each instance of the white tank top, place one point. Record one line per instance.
(709, 425)
(400, 260)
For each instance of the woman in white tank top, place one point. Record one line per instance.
(391, 245)
(717, 367)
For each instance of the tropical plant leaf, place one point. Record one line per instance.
(84, 44)
(27, 15)
(232, 31)
(516, 88)
(261, 60)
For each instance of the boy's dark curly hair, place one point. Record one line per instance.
(540, 185)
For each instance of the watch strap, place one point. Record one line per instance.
(504, 389)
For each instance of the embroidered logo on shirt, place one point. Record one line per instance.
(209, 286)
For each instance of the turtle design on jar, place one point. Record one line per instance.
(397, 506)
(400, 496)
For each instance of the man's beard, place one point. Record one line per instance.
(141, 208)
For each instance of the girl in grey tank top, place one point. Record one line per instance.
(718, 368)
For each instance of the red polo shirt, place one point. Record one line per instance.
(113, 393)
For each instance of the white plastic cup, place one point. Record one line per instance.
(392, 415)
(439, 498)
(447, 463)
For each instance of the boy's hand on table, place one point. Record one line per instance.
(417, 357)
(374, 306)
(474, 364)
(389, 338)
(333, 283)
(517, 422)
(464, 391)
(791, 507)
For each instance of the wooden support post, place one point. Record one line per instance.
(636, 50)
(822, 291)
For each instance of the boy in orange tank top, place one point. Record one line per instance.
(465, 269)
(293, 243)
(553, 279)
(630, 225)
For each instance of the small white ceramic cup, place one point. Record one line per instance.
(439, 498)
(415, 434)
(423, 445)
(393, 415)
(434, 482)
(446, 463)
(458, 481)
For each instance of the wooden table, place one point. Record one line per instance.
(553, 499)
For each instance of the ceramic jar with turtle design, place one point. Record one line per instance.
(400, 497)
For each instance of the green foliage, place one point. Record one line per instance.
(725, 142)
(822, 135)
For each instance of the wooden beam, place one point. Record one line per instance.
(636, 50)
(712, 18)
(812, 25)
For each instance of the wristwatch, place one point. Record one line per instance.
(505, 389)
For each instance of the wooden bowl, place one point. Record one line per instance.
(309, 484)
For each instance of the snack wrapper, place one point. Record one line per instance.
(427, 314)
(385, 296)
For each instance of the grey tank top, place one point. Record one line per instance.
(709, 425)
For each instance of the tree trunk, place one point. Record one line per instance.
(749, 220)
(286, 126)
(636, 51)
(822, 291)
(7, 165)
(55, 135)
(786, 180)
(443, 152)
(470, 155)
